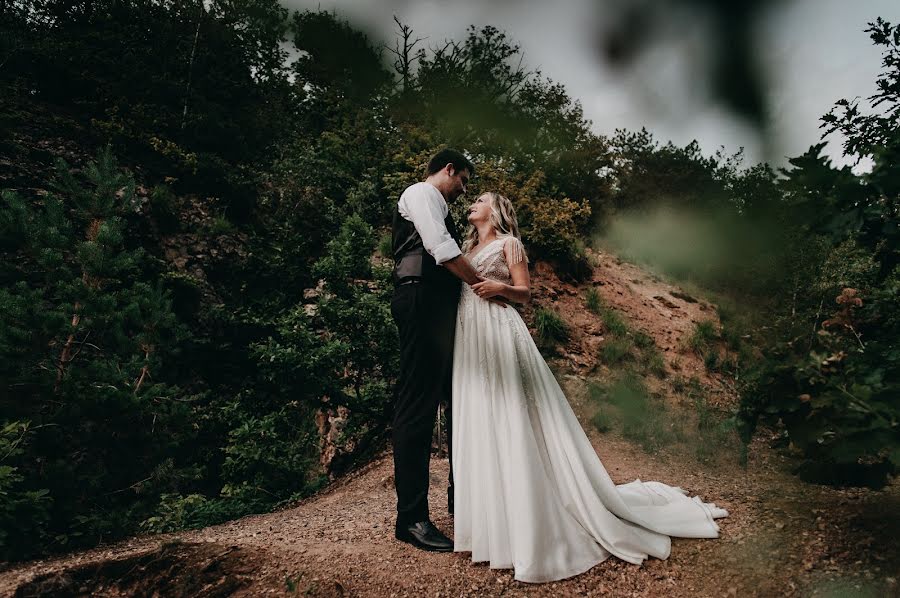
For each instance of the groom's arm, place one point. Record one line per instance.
(425, 208)
(462, 269)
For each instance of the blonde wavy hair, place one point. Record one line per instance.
(503, 219)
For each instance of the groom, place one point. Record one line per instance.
(428, 267)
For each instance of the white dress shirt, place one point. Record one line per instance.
(424, 206)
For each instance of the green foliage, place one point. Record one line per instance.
(164, 207)
(711, 435)
(386, 246)
(831, 374)
(554, 227)
(86, 340)
(24, 513)
(623, 342)
(356, 309)
(601, 420)
(551, 328)
(177, 512)
(532, 140)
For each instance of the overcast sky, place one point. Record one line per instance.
(815, 53)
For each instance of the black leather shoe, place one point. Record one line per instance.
(450, 500)
(424, 535)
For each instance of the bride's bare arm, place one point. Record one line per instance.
(520, 289)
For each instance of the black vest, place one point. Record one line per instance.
(412, 261)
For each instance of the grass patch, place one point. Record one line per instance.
(614, 322)
(593, 301)
(627, 405)
(220, 226)
(713, 433)
(653, 361)
(616, 350)
(551, 328)
(601, 420)
(643, 340)
(702, 337)
(698, 429)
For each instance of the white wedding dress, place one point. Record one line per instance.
(530, 492)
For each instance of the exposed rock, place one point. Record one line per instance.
(665, 302)
(333, 445)
(311, 295)
(683, 296)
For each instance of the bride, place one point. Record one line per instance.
(530, 493)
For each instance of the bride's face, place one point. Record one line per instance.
(480, 210)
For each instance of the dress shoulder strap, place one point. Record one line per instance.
(514, 250)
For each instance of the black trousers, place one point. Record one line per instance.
(426, 320)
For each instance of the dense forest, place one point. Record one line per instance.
(194, 274)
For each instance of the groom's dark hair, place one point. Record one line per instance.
(449, 156)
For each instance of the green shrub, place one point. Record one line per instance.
(102, 350)
(24, 513)
(386, 245)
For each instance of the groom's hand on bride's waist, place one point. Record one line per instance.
(485, 288)
(489, 289)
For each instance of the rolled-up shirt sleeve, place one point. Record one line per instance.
(424, 206)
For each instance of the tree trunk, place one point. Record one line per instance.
(187, 91)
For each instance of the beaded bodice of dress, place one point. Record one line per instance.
(490, 261)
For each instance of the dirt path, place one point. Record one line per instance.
(783, 537)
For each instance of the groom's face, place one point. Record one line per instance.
(459, 181)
